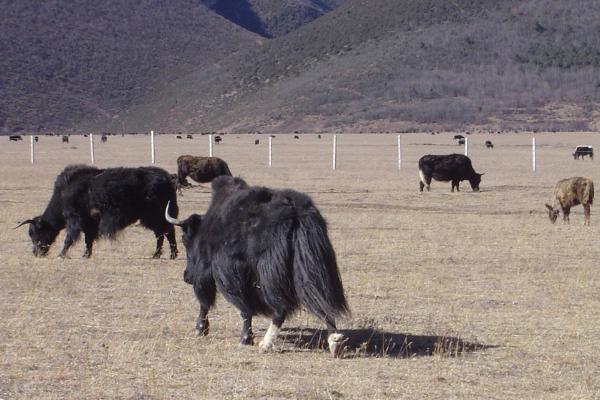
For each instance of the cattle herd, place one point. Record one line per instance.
(267, 251)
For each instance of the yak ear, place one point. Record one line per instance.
(549, 207)
(28, 221)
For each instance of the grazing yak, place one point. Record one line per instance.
(582, 151)
(571, 192)
(489, 144)
(200, 169)
(451, 167)
(267, 252)
(65, 139)
(15, 138)
(104, 139)
(102, 202)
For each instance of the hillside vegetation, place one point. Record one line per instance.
(62, 62)
(371, 65)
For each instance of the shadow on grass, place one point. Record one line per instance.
(375, 343)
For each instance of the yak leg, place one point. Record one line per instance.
(202, 324)
(72, 236)
(566, 211)
(586, 214)
(267, 343)
(335, 340)
(247, 334)
(160, 238)
(454, 183)
(172, 242)
(421, 186)
(90, 233)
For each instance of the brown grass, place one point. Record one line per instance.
(454, 295)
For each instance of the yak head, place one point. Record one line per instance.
(475, 181)
(42, 235)
(552, 213)
(190, 228)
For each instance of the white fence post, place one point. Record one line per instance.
(399, 154)
(334, 151)
(92, 147)
(533, 153)
(32, 150)
(466, 146)
(270, 151)
(152, 152)
(210, 145)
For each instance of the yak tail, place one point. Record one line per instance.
(588, 193)
(316, 277)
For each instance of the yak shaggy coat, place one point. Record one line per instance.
(268, 253)
(571, 192)
(200, 169)
(101, 203)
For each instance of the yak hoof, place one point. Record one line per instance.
(156, 255)
(201, 330)
(247, 341)
(337, 343)
(265, 346)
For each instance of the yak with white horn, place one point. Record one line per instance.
(267, 252)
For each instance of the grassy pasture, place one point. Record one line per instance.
(453, 295)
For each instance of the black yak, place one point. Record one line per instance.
(65, 139)
(571, 192)
(104, 138)
(15, 138)
(200, 169)
(582, 151)
(267, 252)
(451, 167)
(102, 202)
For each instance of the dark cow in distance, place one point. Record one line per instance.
(218, 139)
(451, 167)
(200, 169)
(104, 139)
(102, 202)
(15, 138)
(267, 252)
(489, 144)
(582, 151)
(571, 192)
(65, 139)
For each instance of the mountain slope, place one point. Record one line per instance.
(66, 61)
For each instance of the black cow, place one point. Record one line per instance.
(104, 139)
(458, 137)
(451, 167)
(268, 253)
(102, 202)
(189, 137)
(178, 137)
(218, 139)
(65, 139)
(489, 144)
(15, 138)
(36, 138)
(582, 151)
(296, 137)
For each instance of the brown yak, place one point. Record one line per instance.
(200, 169)
(571, 192)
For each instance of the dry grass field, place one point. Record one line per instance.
(453, 295)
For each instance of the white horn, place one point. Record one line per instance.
(170, 219)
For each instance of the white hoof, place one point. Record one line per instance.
(263, 346)
(337, 343)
